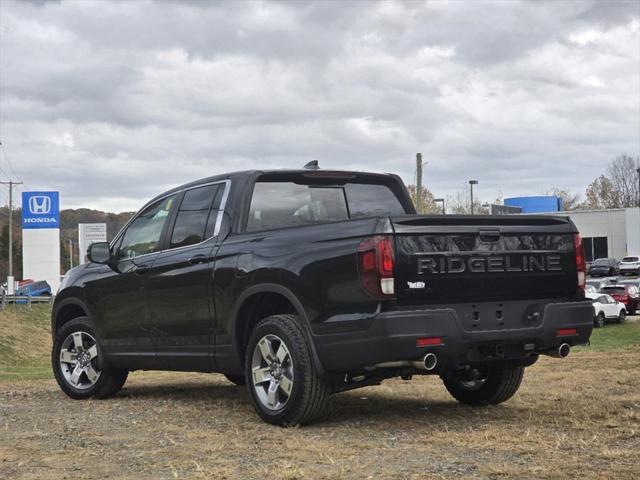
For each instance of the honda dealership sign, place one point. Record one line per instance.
(41, 237)
(40, 210)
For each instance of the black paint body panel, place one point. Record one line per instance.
(181, 315)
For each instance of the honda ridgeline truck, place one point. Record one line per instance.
(304, 283)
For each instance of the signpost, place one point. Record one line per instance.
(41, 237)
(89, 233)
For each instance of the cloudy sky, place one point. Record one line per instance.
(111, 103)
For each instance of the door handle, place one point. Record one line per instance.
(197, 259)
(142, 269)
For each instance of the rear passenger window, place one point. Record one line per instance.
(366, 200)
(284, 204)
(198, 209)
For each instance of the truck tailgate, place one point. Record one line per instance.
(483, 258)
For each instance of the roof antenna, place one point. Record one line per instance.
(312, 165)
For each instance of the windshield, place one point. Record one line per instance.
(630, 259)
(601, 261)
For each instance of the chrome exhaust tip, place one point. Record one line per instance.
(564, 350)
(430, 361)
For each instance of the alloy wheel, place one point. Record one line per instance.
(78, 360)
(272, 372)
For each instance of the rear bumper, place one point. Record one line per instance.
(524, 329)
(629, 270)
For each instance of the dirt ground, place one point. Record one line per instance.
(578, 417)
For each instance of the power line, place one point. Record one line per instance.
(4, 153)
(3, 172)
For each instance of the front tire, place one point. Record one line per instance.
(598, 322)
(622, 317)
(74, 359)
(281, 375)
(489, 384)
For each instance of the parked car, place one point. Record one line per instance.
(34, 289)
(304, 283)
(598, 283)
(590, 288)
(627, 294)
(603, 267)
(630, 265)
(630, 281)
(606, 308)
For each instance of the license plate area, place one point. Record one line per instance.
(481, 317)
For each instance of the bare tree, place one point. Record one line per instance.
(602, 194)
(460, 204)
(624, 178)
(618, 188)
(429, 204)
(570, 201)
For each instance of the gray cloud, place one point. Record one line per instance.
(112, 102)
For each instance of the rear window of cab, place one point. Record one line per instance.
(279, 204)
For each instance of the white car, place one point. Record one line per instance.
(630, 265)
(606, 308)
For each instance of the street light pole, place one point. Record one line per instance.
(440, 200)
(472, 183)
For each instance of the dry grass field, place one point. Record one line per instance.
(578, 417)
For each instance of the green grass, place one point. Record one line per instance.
(25, 341)
(616, 335)
(25, 373)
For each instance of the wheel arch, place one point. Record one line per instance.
(261, 301)
(66, 310)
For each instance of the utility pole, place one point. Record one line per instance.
(70, 254)
(472, 183)
(11, 184)
(419, 182)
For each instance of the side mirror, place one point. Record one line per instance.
(99, 252)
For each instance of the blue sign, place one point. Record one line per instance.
(40, 210)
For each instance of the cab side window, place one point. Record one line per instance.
(143, 235)
(197, 215)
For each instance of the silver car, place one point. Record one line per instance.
(630, 265)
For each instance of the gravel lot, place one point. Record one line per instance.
(578, 417)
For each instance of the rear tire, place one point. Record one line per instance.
(497, 383)
(598, 322)
(75, 358)
(281, 374)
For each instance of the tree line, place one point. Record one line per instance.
(69, 220)
(616, 187)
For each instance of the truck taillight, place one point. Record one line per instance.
(376, 266)
(581, 266)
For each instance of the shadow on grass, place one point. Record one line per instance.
(368, 407)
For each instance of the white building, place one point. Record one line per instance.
(612, 233)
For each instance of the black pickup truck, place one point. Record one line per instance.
(304, 283)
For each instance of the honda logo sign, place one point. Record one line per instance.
(40, 210)
(40, 205)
